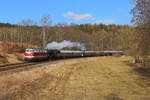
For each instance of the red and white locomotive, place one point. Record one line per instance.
(35, 55)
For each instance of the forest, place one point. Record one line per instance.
(95, 37)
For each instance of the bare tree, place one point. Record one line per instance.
(27, 22)
(24, 33)
(46, 22)
(141, 18)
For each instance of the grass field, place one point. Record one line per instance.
(99, 78)
(11, 58)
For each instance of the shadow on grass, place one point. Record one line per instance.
(112, 97)
(143, 71)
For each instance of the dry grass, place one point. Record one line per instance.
(98, 78)
(11, 58)
(14, 58)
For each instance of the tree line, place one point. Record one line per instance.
(95, 37)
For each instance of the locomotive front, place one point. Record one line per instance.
(35, 55)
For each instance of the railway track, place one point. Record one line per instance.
(9, 66)
(6, 67)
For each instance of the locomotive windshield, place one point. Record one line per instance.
(29, 50)
(36, 50)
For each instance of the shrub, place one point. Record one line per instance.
(12, 47)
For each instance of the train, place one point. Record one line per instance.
(47, 54)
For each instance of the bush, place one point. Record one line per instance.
(12, 47)
(5, 46)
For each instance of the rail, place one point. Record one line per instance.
(6, 67)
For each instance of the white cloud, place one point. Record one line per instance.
(78, 17)
(105, 21)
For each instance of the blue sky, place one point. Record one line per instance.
(69, 11)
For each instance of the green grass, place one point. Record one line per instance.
(110, 78)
